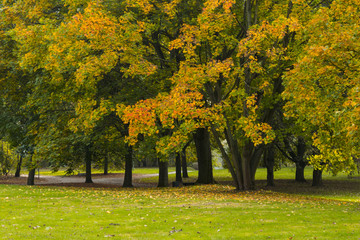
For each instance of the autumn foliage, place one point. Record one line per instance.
(166, 69)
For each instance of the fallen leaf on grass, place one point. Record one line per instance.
(174, 231)
(114, 224)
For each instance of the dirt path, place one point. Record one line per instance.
(99, 180)
(112, 179)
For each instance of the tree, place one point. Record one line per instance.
(323, 88)
(72, 50)
(15, 87)
(233, 64)
(294, 149)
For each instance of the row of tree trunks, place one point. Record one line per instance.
(202, 142)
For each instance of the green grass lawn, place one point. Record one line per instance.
(196, 212)
(288, 211)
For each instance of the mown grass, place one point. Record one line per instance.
(288, 211)
(347, 189)
(196, 212)
(333, 189)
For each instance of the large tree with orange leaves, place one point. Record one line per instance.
(229, 82)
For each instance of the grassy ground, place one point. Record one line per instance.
(197, 212)
(288, 211)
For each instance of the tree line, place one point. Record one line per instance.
(254, 80)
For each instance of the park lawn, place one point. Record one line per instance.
(329, 191)
(194, 212)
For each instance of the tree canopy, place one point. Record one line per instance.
(112, 74)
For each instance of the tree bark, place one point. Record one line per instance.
(106, 164)
(246, 169)
(299, 175)
(31, 177)
(128, 167)
(300, 160)
(88, 160)
(317, 178)
(178, 167)
(163, 174)
(203, 152)
(18, 166)
(184, 164)
(269, 160)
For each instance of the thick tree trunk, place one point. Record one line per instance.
(203, 152)
(18, 167)
(178, 167)
(299, 175)
(269, 160)
(317, 178)
(246, 169)
(270, 176)
(184, 164)
(128, 167)
(300, 160)
(31, 177)
(163, 174)
(106, 164)
(88, 160)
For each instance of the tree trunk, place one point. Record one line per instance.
(31, 177)
(269, 160)
(317, 178)
(203, 152)
(18, 167)
(88, 160)
(106, 164)
(184, 164)
(299, 175)
(246, 169)
(300, 160)
(128, 166)
(178, 167)
(163, 174)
